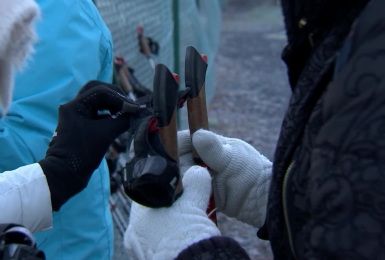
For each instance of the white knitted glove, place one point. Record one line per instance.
(163, 233)
(241, 174)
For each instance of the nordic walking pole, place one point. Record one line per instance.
(153, 178)
(195, 76)
(165, 100)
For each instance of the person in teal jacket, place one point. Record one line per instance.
(74, 47)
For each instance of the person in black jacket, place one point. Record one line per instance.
(323, 196)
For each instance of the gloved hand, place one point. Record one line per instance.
(83, 135)
(241, 175)
(164, 232)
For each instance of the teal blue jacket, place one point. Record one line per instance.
(74, 47)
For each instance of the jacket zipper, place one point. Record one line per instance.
(286, 215)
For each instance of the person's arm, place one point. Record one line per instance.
(347, 174)
(25, 198)
(80, 142)
(182, 231)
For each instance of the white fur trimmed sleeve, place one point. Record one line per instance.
(17, 35)
(25, 198)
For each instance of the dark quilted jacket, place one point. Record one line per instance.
(327, 198)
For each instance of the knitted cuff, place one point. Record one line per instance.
(214, 248)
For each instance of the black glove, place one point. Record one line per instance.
(87, 126)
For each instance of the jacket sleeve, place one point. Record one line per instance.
(25, 198)
(347, 172)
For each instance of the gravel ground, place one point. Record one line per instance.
(251, 95)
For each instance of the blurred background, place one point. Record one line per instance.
(247, 89)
